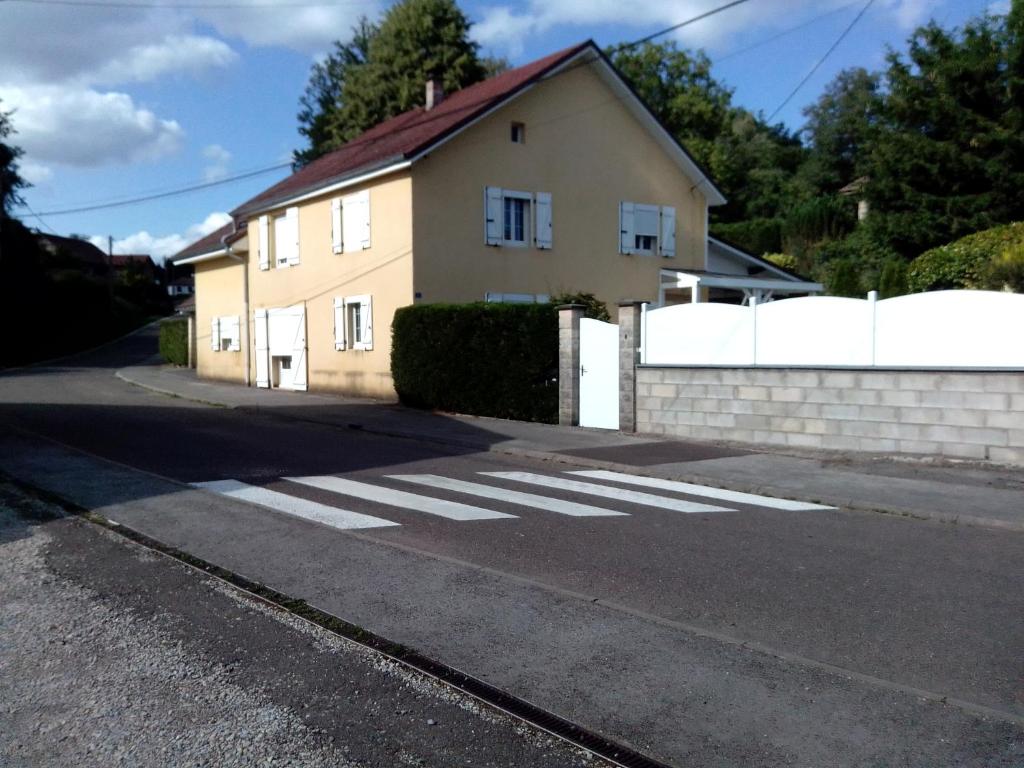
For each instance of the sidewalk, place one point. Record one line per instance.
(983, 495)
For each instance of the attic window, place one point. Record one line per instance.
(518, 133)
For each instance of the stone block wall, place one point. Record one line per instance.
(962, 414)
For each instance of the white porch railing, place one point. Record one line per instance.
(942, 329)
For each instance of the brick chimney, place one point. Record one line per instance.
(435, 94)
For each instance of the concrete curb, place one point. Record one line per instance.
(561, 458)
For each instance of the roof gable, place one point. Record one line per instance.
(402, 139)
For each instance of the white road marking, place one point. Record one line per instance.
(735, 497)
(513, 497)
(450, 509)
(292, 505)
(608, 492)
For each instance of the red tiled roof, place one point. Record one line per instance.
(211, 242)
(409, 133)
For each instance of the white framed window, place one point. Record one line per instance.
(647, 229)
(225, 334)
(350, 222)
(517, 219)
(493, 297)
(286, 238)
(353, 322)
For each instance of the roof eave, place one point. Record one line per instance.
(351, 178)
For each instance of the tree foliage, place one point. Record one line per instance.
(383, 71)
(10, 180)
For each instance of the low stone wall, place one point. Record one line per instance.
(963, 414)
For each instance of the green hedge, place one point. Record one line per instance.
(481, 359)
(174, 341)
(964, 263)
(754, 235)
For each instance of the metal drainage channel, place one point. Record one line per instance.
(521, 709)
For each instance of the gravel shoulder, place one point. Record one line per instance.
(112, 655)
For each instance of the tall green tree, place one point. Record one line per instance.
(949, 155)
(841, 126)
(752, 162)
(383, 71)
(10, 180)
(319, 103)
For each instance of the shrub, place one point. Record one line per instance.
(481, 359)
(784, 260)
(754, 235)
(893, 281)
(1006, 272)
(174, 341)
(594, 307)
(843, 279)
(964, 263)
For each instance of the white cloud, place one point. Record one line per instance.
(309, 30)
(502, 28)
(219, 159)
(34, 173)
(160, 247)
(999, 8)
(175, 54)
(86, 128)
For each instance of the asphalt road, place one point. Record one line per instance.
(750, 636)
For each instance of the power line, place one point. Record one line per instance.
(172, 193)
(269, 4)
(680, 25)
(821, 61)
(40, 219)
(238, 177)
(784, 33)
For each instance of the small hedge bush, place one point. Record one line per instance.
(964, 263)
(174, 341)
(481, 359)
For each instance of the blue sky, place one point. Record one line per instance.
(114, 102)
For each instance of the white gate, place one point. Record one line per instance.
(599, 374)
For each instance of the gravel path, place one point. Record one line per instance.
(83, 684)
(88, 678)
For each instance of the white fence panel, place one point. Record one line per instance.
(699, 334)
(959, 329)
(942, 329)
(814, 330)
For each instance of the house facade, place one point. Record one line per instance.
(550, 178)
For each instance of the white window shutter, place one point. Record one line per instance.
(627, 229)
(367, 321)
(542, 220)
(236, 334)
(336, 245)
(667, 240)
(364, 209)
(292, 217)
(299, 373)
(340, 340)
(492, 215)
(264, 244)
(215, 334)
(261, 342)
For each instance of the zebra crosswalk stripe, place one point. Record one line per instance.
(292, 505)
(440, 507)
(608, 492)
(560, 506)
(736, 497)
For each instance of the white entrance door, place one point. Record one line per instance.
(599, 374)
(286, 334)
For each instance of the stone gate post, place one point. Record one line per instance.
(630, 314)
(569, 364)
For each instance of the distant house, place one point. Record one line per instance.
(181, 286)
(78, 253)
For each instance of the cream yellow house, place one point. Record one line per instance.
(552, 177)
